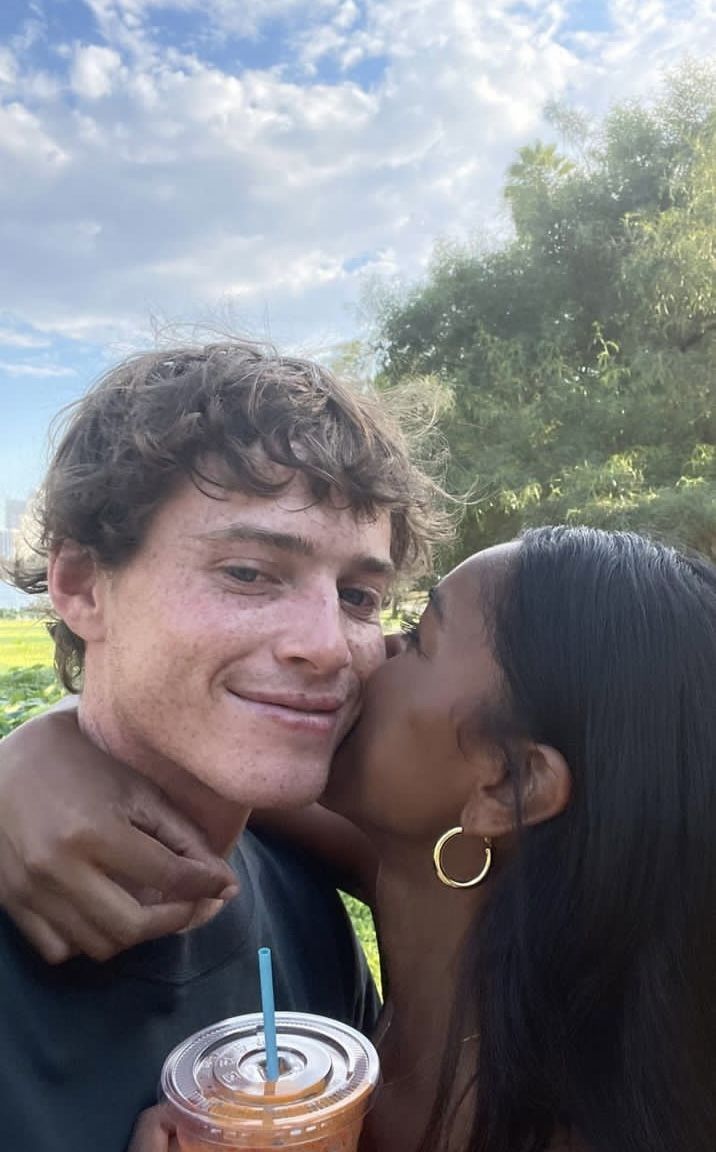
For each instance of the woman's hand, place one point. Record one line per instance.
(93, 857)
(153, 1132)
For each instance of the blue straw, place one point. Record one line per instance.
(269, 1011)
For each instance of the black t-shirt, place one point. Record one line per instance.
(82, 1044)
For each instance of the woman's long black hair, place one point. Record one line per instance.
(593, 969)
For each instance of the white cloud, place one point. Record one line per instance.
(346, 15)
(95, 70)
(23, 137)
(146, 180)
(40, 86)
(31, 31)
(127, 21)
(8, 67)
(12, 338)
(40, 370)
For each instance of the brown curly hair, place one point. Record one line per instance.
(160, 417)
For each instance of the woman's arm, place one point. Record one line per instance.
(344, 851)
(81, 834)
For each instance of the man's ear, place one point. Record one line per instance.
(545, 785)
(77, 588)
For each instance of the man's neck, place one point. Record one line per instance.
(222, 821)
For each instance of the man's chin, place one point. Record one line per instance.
(303, 790)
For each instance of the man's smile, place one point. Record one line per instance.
(318, 714)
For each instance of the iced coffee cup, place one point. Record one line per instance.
(216, 1087)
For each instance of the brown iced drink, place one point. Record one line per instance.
(220, 1099)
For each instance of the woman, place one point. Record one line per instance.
(556, 702)
(535, 774)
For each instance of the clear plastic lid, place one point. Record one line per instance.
(216, 1080)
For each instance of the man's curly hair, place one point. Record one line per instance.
(215, 414)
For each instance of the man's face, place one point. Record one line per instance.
(236, 642)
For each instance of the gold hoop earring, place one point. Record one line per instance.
(442, 874)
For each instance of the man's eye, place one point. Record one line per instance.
(243, 575)
(361, 598)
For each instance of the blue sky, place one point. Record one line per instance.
(253, 164)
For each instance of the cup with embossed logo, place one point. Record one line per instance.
(218, 1094)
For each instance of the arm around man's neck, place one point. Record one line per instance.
(93, 857)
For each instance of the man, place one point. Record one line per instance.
(219, 528)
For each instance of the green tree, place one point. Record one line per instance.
(578, 359)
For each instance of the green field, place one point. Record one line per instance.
(23, 642)
(27, 681)
(28, 684)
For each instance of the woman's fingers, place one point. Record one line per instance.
(53, 945)
(99, 918)
(129, 853)
(190, 870)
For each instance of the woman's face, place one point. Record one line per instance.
(408, 766)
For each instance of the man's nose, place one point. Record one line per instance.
(316, 634)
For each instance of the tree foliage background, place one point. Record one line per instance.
(574, 365)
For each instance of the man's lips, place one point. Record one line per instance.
(319, 714)
(298, 702)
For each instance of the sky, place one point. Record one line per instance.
(256, 164)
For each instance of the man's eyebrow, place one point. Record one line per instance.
(436, 602)
(375, 564)
(291, 542)
(250, 534)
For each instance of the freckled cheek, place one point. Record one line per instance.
(368, 654)
(214, 625)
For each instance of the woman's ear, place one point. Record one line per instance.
(77, 588)
(545, 785)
